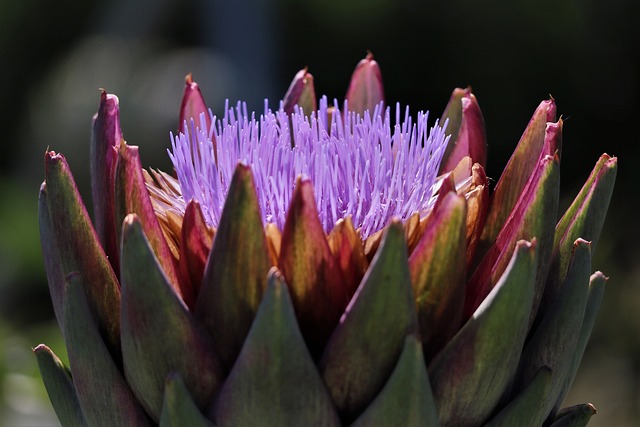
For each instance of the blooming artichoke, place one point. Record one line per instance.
(321, 265)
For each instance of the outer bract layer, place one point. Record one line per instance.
(309, 267)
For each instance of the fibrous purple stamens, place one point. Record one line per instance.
(359, 166)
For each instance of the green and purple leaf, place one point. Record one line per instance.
(574, 416)
(346, 246)
(365, 89)
(236, 272)
(193, 105)
(466, 126)
(366, 344)
(553, 343)
(584, 219)
(470, 375)
(59, 384)
(533, 217)
(310, 270)
(195, 246)
(159, 334)
(103, 394)
(52, 264)
(597, 284)
(586, 215)
(437, 267)
(301, 92)
(534, 145)
(527, 405)
(105, 140)
(132, 196)
(178, 407)
(77, 249)
(406, 399)
(274, 381)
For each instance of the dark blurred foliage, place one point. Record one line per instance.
(584, 53)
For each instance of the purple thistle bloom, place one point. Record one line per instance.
(359, 166)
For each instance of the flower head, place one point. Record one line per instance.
(360, 165)
(242, 293)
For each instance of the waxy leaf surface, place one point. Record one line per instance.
(132, 196)
(553, 343)
(527, 405)
(471, 137)
(106, 138)
(532, 218)
(274, 381)
(178, 408)
(365, 89)
(466, 379)
(521, 165)
(301, 92)
(406, 399)
(346, 246)
(594, 300)
(366, 344)
(437, 267)
(79, 250)
(57, 380)
(236, 272)
(103, 394)
(159, 334)
(195, 246)
(193, 106)
(310, 269)
(574, 416)
(584, 219)
(52, 263)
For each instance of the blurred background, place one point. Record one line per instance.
(56, 55)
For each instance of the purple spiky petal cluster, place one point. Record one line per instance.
(359, 165)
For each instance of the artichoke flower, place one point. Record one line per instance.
(321, 265)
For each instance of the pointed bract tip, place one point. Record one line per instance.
(301, 92)
(193, 104)
(368, 60)
(275, 274)
(109, 108)
(521, 244)
(109, 97)
(51, 159)
(242, 169)
(465, 125)
(130, 219)
(40, 347)
(303, 181)
(581, 242)
(600, 276)
(396, 224)
(552, 109)
(52, 155)
(302, 74)
(365, 89)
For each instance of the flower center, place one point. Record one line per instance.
(359, 165)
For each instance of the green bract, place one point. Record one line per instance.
(474, 312)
